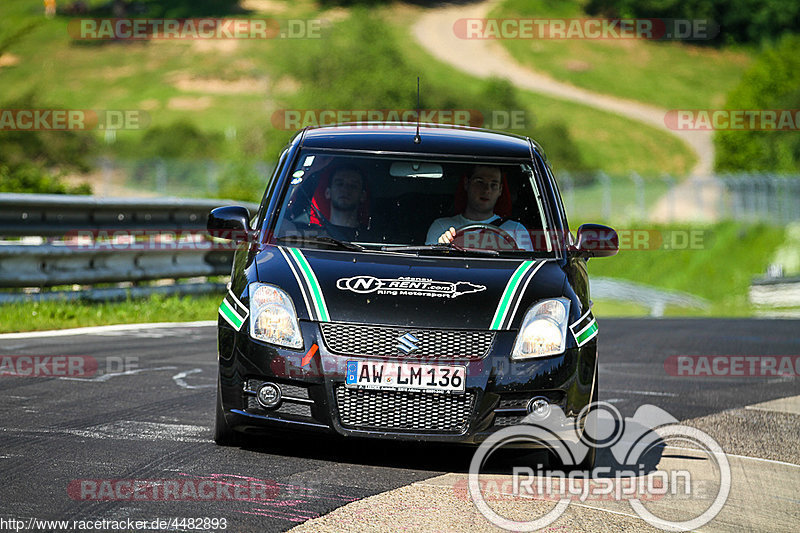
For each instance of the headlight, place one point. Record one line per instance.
(272, 316)
(544, 330)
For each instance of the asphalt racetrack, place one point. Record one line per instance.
(74, 448)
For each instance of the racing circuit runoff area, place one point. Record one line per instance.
(110, 428)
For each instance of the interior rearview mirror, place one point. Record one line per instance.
(415, 169)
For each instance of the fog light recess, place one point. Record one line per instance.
(269, 395)
(539, 407)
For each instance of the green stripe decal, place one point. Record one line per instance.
(502, 308)
(313, 284)
(230, 315)
(587, 333)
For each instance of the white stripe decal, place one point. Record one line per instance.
(239, 304)
(300, 284)
(510, 319)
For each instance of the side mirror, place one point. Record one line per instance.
(229, 222)
(596, 240)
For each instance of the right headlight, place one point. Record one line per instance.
(272, 316)
(544, 330)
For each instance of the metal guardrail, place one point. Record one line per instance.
(775, 292)
(78, 241)
(59, 214)
(655, 299)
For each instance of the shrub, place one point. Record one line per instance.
(773, 82)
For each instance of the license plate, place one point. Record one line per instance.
(406, 376)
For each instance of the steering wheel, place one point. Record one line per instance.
(501, 233)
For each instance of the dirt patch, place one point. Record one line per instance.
(264, 6)
(113, 73)
(287, 85)
(576, 65)
(187, 83)
(334, 15)
(149, 104)
(225, 46)
(8, 60)
(186, 103)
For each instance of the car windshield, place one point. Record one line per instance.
(390, 203)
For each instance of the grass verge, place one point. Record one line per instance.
(41, 316)
(719, 269)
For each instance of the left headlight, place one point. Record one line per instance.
(544, 330)
(272, 316)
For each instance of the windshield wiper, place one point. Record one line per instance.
(441, 247)
(300, 239)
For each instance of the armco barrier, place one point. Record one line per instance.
(61, 259)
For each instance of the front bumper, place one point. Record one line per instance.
(315, 399)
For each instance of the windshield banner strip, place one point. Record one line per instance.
(512, 295)
(585, 329)
(317, 298)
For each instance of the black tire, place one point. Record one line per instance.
(224, 435)
(591, 455)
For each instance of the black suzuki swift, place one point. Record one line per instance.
(406, 282)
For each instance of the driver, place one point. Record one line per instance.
(484, 187)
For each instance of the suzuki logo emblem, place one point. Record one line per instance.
(407, 343)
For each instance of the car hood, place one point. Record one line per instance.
(410, 291)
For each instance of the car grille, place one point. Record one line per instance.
(404, 410)
(382, 341)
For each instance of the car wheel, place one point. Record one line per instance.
(224, 435)
(591, 455)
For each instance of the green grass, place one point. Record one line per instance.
(153, 77)
(720, 270)
(673, 75)
(606, 141)
(39, 316)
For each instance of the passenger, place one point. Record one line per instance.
(347, 194)
(484, 186)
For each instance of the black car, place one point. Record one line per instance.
(354, 308)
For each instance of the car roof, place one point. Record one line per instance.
(435, 139)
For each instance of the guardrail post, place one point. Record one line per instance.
(605, 183)
(638, 183)
(569, 190)
(670, 181)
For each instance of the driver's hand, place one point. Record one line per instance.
(448, 236)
